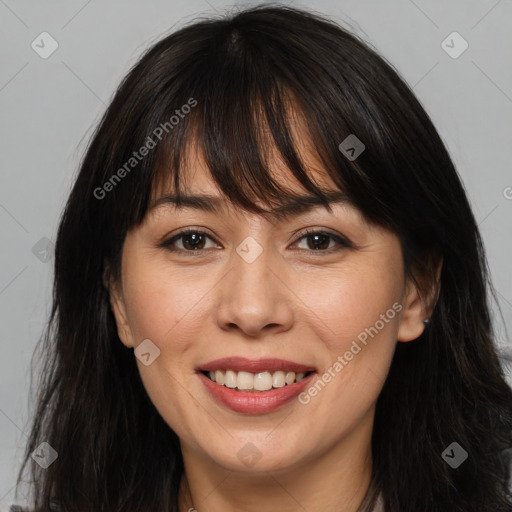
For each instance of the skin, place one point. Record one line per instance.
(292, 302)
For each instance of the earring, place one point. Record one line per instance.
(426, 321)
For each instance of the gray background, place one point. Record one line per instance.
(49, 106)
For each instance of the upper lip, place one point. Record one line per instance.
(242, 364)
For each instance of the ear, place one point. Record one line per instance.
(420, 299)
(118, 307)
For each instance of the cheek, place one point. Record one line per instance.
(357, 321)
(359, 313)
(349, 300)
(166, 307)
(161, 301)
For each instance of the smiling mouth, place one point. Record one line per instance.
(255, 382)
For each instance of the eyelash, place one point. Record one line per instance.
(342, 242)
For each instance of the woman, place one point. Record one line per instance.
(270, 292)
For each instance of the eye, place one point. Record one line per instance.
(320, 241)
(192, 240)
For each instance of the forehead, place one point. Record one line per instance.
(196, 177)
(201, 194)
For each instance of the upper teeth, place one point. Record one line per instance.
(263, 381)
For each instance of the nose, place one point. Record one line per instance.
(253, 297)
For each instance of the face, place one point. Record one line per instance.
(311, 306)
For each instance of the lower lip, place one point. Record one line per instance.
(260, 402)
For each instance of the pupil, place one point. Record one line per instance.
(197, 240)
(321, 245)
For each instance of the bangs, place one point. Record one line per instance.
(242, 145)
(244, 98)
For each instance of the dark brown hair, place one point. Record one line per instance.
(240, 73)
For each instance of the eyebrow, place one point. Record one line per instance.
(213, 204)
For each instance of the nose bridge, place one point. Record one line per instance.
(251, 265)
(252, 297)
(253, 255)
